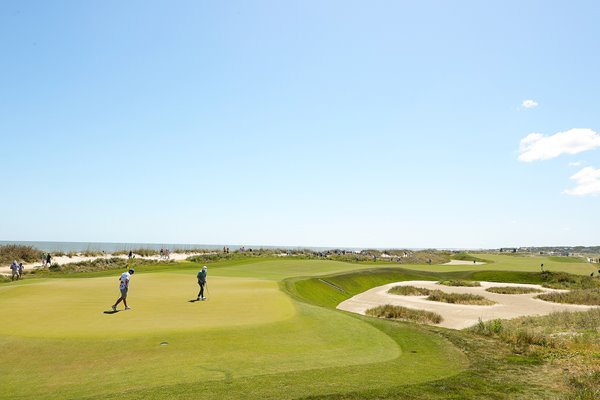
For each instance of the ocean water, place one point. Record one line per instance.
(67, 247)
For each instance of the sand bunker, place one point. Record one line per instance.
(463, 262)
(459, 316)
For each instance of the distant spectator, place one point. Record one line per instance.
(14, 269)
(48, 260)
(130, 254)
(542, 267)
(21, 270)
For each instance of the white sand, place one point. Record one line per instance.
(463, 262)
(459, 316)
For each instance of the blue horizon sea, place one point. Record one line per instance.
(109, 247)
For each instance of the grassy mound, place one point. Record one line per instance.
(459, 298)
(512, 290)
(469, 257)
(563, 280)
(97, 265)
(389, 311)
(409, 291)
(590, 297)
(460, 282)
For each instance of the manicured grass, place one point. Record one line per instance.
(459, 298)
(268, 331)
(460, 282)
(389, 311)
(590, 297)
(159, 302)
(409, 291)
(512, 290)
(515, 263)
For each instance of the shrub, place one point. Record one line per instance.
(11, 252)
(512, 290)
(389, 311)
(409, 291)
(459, 282)
(459, 298)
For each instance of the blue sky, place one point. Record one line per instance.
(338, 123)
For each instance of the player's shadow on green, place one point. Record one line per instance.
(193, 300)
(111, 312)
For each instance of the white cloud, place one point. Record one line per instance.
(529, 103)
(588, 182)
(575, 164)
(536, 146)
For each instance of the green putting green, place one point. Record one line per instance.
(159, 302)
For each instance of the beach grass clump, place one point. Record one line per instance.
(11, 252)
(512, 290)
(590, 297)
(459, 282)
(139, 252)
(409, 291)
(459, 298)
(389, 311)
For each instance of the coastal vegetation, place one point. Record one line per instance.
(409, 291)
(459, 282)
(459, 298)
(590, 297)
(512, 290)
(20, 253)
(389, 311)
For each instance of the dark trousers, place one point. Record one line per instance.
(201, 293)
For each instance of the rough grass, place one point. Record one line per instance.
(389, 311)
(512, 290)
(460, 282)
(459, 298)
(11, 252)
(589, 297)
(569, 340)
(409, 291)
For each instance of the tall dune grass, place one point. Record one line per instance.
(460, 282)
(512, 290)
(589, 297)
(389, 311)
(409, 291)
(11, 252)
(459, 298)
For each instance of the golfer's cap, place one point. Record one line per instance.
(131, 271)
(204, 267)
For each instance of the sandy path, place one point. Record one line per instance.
(459, 316)
(5, 269)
